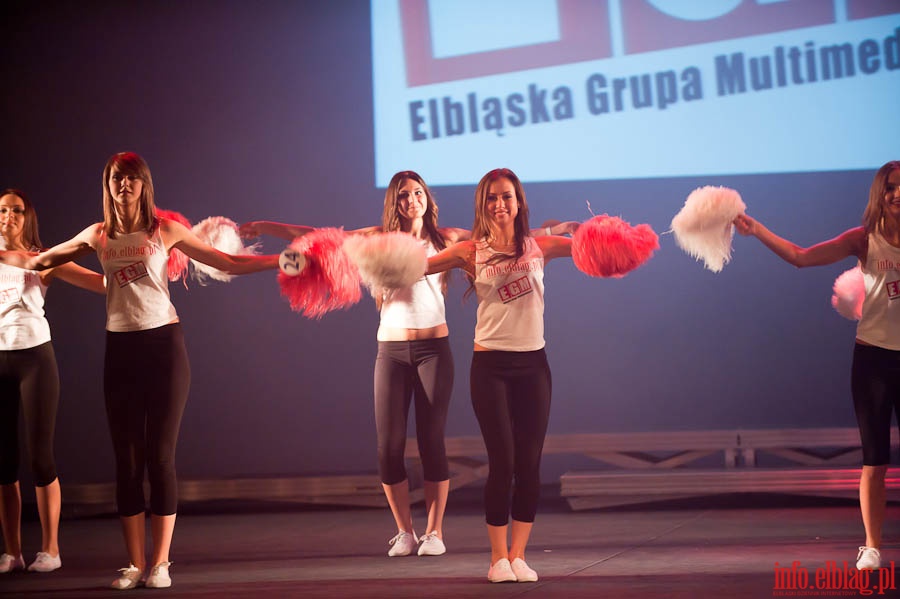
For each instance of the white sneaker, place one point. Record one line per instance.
(159, 576)
(431, 544)
(44, 562)
(402, 544)
(10, 563)
(128, 578)
(522, 571)
(501, 571)
(868, 558)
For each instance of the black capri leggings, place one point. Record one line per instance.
(511, 397)
(29, 376)
(405, 369)
(146, 380)
(875, 383)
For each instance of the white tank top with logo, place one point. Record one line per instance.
(880, 321)
(137, 284)
(510, 299)
(22, 321)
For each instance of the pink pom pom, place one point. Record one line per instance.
(330, 281)
(178, 260)
(607, 246)
(849, 293)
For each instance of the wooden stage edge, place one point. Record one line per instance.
(631, 468)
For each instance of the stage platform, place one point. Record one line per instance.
(721, 546)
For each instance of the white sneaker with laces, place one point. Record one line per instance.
(431, 544)
(868, 558)
(402, 544)
(10, 563)
(44, 562)
(159, 576)
(128, 578)
(501, 571)
(522, 571)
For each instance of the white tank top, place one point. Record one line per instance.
(510, 299)
(137, 285)
(22, 321)
(418, 307)
(880, 321)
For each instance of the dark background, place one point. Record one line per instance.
(262, 110)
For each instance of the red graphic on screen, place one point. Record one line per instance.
(646, 28)
(584, 35)
(866, 9)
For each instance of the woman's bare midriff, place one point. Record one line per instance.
(395, 334)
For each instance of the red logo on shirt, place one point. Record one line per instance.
(130, 274)
(9, 296)
(514, 290)
(893, 289)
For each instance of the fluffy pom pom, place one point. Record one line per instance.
(703, 227)
(849, 293)
(329, 281)
(178, 260)
(607, 246)
(222, 234)
(387, 260)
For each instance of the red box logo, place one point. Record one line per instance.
(130, 274)
(514, 290)
(584, 35)
(865, 9)
(647, 28)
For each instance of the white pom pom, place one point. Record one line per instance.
(222, 234)
(703, 227)
(387, 260)
(849, 293)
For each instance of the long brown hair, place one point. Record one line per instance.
(481, 227)
(391, 218)
(128, 163)
(873, 217)
(30, 237)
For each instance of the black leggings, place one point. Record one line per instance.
(875, 383)
(146, 380)
(28, 376)
(511, 398)
(404, 369)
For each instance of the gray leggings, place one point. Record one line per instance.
(421, 369)
(28, 377)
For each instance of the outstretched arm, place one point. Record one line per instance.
(265, 227)
(555, 227)
(455, 235)
(849, 243)
(78, 276)
(256, 228)
(67, 251)
(180, 237)
(554, 246)
(460, 255)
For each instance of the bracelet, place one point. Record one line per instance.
(547, 229)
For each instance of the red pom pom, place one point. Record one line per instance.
(178, 261)
(607, 246)
(330, 280)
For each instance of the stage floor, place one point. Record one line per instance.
(721, 547)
